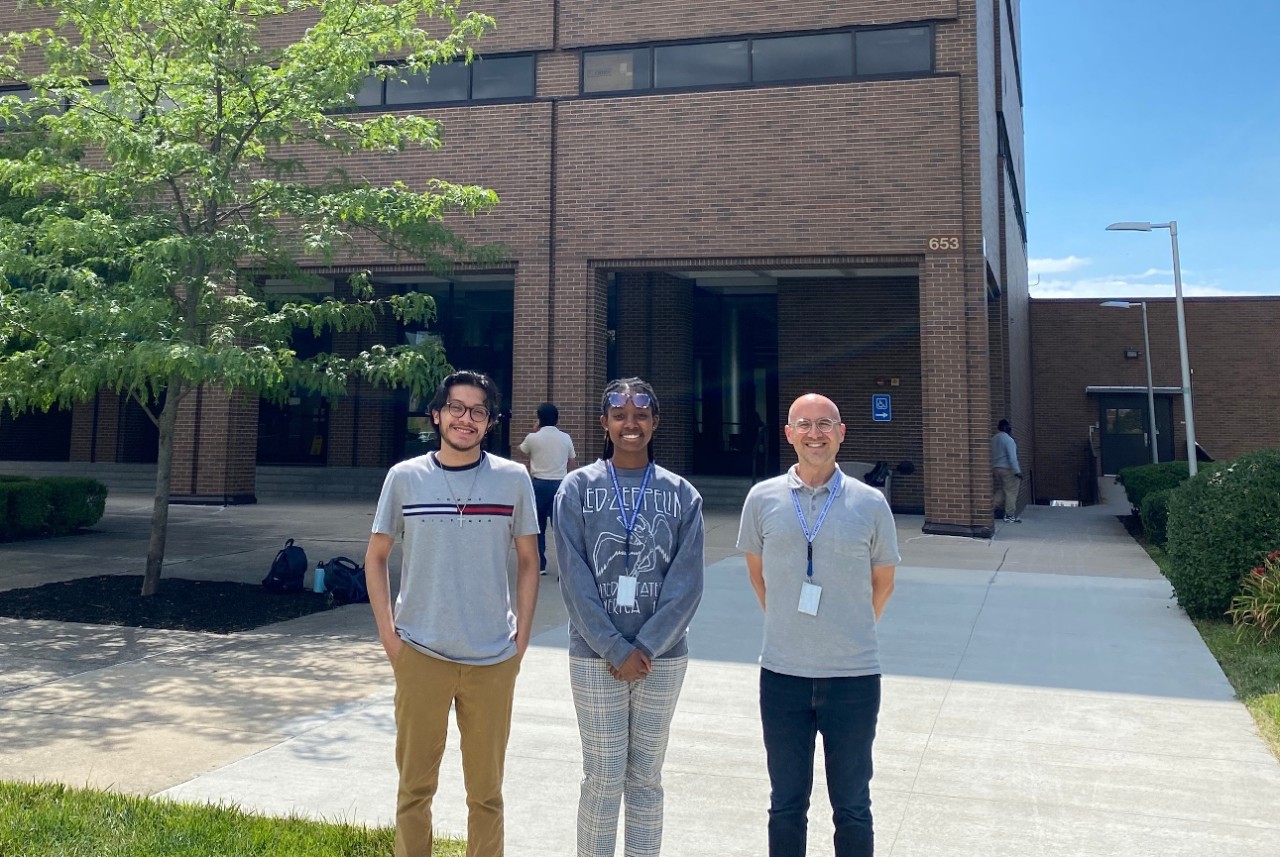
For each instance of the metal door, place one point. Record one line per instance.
(1125, 433)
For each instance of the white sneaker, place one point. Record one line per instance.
(1012, 519)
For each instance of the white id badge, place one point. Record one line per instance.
(626, 591)
(809, 595)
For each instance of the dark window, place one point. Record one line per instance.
(442, 83)
(802, 57)
(370, 92)
(615, 71)
(706, 64)
(502, 77)
(898, 51)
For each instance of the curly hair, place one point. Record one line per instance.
(492, 395)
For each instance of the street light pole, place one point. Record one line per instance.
(1151, 392)
(1182, 352)
(1172, 226)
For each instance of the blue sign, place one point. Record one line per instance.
(881, 408)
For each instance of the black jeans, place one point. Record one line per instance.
(793, 711)
(544, 492)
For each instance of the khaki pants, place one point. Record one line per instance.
(481, 697)
(1006, 485)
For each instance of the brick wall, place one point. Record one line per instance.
(606, 22)
(655, 342)
(1077, 343)
(849, 340)
(215, 447)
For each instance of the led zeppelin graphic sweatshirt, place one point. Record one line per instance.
(665, 558)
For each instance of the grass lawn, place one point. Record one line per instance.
(1252, 667)
(56, 821)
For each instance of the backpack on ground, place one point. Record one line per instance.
(287, 570)
(344, 579)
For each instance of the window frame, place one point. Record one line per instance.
(649, 48)
(384, 106)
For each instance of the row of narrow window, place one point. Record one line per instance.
(842, 55)
(776, 59)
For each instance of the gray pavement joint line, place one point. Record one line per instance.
(1132, 813)
(950, 683)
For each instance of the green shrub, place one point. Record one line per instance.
(74, 502)
(12, 478)
(1221, 524)
(24, 507)
(1142, 480)
(1155, 516)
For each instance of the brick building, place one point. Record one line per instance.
(739, 201)
(1090, 380)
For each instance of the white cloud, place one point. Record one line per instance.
(1055, 266)
(1123, 286)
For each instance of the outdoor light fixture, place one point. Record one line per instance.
(1151, 392)
(1131, 354)
(1172, 226)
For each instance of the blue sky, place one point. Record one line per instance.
(1157, 111)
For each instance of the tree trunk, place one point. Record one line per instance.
(164, 473)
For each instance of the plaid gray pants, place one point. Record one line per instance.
(624, 728)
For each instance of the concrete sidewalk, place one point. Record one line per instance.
(1044, 695)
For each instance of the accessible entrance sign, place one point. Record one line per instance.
(881, 408)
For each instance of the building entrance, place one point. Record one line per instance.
(1125, 430)
(735, 383)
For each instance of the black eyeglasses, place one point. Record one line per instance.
(618, 398)
(479, 413)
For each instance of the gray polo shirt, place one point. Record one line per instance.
(858, 533)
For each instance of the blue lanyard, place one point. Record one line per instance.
(822, 516)
(629, 524)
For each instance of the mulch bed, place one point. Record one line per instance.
(212, 606)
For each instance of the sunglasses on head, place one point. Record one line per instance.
(619, 398)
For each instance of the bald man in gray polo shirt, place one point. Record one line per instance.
(821, 549)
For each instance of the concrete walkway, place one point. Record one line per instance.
(1044, 695)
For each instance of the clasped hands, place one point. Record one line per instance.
(636, 666)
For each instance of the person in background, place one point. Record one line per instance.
(1006, 473)
(629, 537)
(551, 457)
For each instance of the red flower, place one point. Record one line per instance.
(1260, 571)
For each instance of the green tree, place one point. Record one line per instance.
(160, 149)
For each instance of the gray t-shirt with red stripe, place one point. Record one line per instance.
(457, 528)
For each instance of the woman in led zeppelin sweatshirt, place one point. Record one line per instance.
(629, 543)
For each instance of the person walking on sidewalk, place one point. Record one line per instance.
(1006, 473)
(451, 636)
(551, 457)
(629, 538)
(821, 549)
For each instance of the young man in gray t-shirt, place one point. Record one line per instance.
(821, 550)
(451, 636)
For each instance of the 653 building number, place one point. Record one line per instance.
(944, 244)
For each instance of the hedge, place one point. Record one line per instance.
(24, 508)
(1155, 516)
(52, 506)
(1221, 524)
(1140, 481)
(75, 502)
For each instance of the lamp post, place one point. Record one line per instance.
(1172, 226)
(1151, 392)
